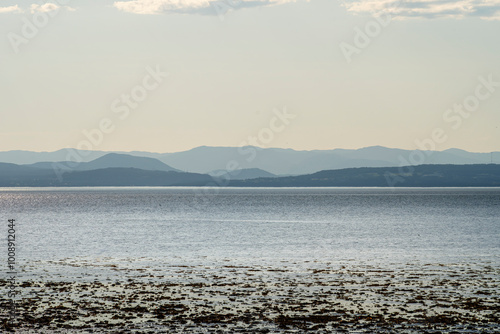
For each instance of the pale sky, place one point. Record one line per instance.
(351, 80)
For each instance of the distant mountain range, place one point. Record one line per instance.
(109, 170)
(113, 169)
(415, 176)
(111, 160)
(272, 160)
(126, 170)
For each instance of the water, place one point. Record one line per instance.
(177, 225)
(404, 260)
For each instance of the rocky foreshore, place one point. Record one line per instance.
(234, 298)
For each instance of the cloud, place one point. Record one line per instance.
(48, 7)
(209, 7)
(11, 9)
(403, 9)
(45, 8)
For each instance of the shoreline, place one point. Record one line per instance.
(235, 298)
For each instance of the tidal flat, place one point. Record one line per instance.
(110, 296)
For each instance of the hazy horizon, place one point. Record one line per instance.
(259, 147)
(167, 76)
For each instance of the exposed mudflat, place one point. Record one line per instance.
(227, 297)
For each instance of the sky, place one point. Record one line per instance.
(171, 75)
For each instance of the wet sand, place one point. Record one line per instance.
(228, 297)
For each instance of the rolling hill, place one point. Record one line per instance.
(277, 161)
(414, 176)
(130, 177)
(110, 160)
(241, 174)
(109, 170)
(483, 175)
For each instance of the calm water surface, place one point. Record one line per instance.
(178, 225)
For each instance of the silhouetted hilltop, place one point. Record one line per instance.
(277, 161)
(133, 177)
(413, 176)
(241, 174)
(111, 160)
(12, 175)
(109, 170)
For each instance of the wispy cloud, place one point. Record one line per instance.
(11, 9)
(47, 7)
(190, 6)
(403, 9)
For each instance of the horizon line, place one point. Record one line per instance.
(253, 146)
